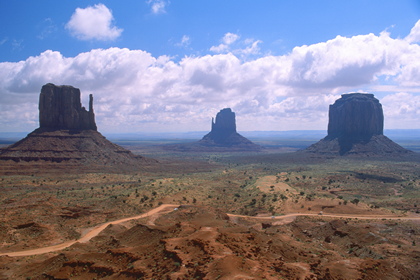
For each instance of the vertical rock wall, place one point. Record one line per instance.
(355, 117)
(60, 108)
(355, 127)
(225, 122)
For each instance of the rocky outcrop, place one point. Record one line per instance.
(68, 135)
(223, 128)
(222, 137)
(355, 117)
(356, 124)
(60, 108)
(225, 122)
(223, 133)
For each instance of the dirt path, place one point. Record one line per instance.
(364, 217)
(89, 235)
(170, 207)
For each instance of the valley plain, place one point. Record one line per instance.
(228, 217)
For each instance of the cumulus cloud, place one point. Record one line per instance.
(401, 110)
(220, 48)
(252, 47)
(227, 40)
(94, 22)
(231, 43)
(414, 36)
(158, 6)
(230, 38)
(135, 91)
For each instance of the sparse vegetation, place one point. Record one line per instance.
(62, 205)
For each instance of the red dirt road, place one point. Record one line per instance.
(170, 207)
(92, 233)
(364, 217)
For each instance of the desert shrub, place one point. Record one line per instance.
(355, 201)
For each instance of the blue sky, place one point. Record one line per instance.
(158, 65)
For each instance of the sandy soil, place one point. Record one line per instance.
(203, 243)
(271, 184)
(89, 235)
(72, 225)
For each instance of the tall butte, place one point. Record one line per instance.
(68, 135)
(355, 127)
(60, 108)
(223, 133)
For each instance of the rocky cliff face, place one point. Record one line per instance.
(223, 133)
(356, 125)
(355, 117)
(60, 108)
(225, 122)
(223, 127)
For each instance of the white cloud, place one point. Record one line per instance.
(231, 43)
(414, 36)
(220, 48)
(93, 22)
(401, 110)
(135, 91)
(185, 41)
(158, 6)
(230, 38)
(227, 40)
(252, 48)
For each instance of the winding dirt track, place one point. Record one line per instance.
(363, 217)
(160, 210)
(88, 236)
